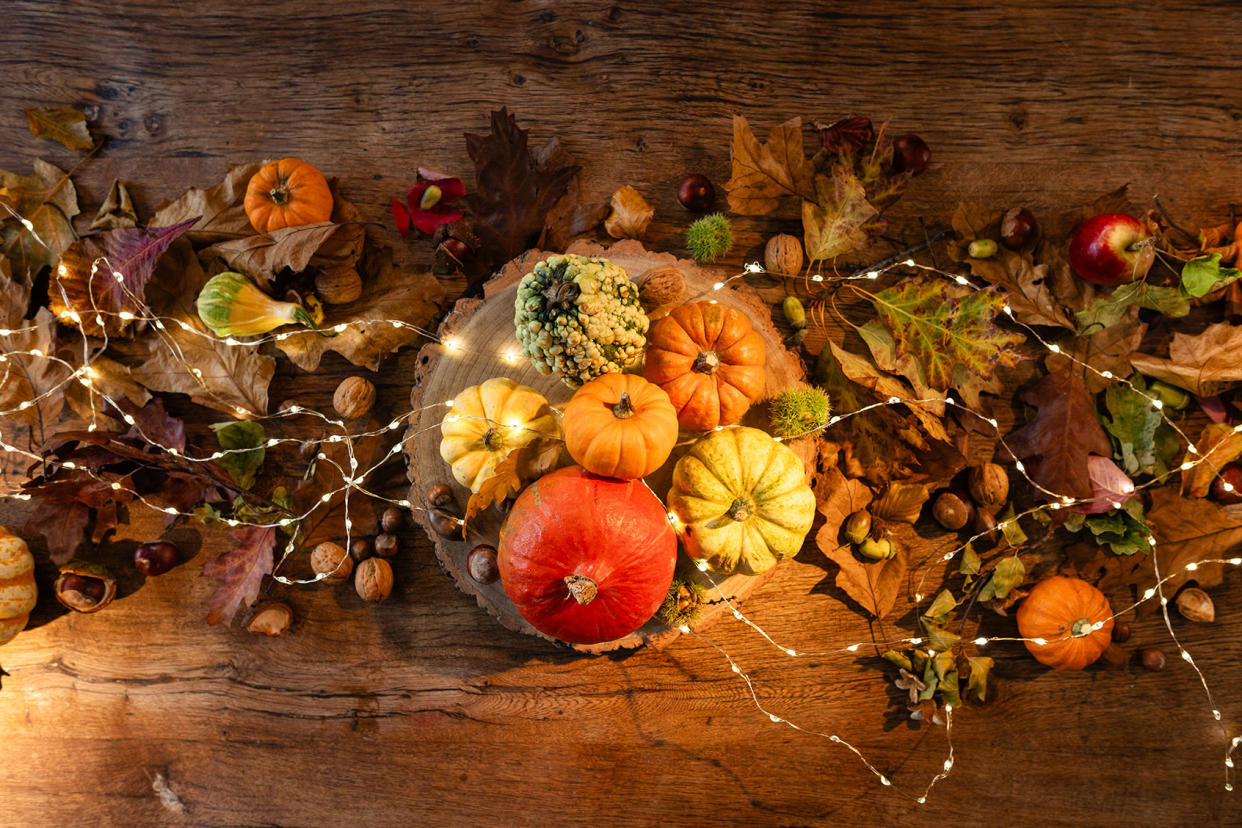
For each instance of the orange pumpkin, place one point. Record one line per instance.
(620, 425)
(287, 193)
(709, 361)
(1063, 613)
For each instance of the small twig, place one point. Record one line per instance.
(1169, 220)
(974, 596)
(905, 254)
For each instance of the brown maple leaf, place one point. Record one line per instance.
(763, 174)
(1189, 530)
(1062, 435)
(1107, 349)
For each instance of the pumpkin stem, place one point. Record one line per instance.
(706, 362)
(1080, 627)
(562, 294)
(278, 194)
(624, 409)
(582, 588)
(493, 439)
(741, 509)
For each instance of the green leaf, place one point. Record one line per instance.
(946, 336)
(64, 124)
(1007, 575)
(1139, 431)
(944, 665)
(834, 223)
(977, 682)
(1124, 531)
(940, 607)
(898, 658)
(970, 561)
(949, 689)
(1203, 275)
(1010, 527)
(1106, 311)
(939, 639)
(242, 434)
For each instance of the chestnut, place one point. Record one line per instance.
(84, 586)
(360, 550)
(1227, 486)
(385, 545)
(1017, 228)
(155, 557)
(393, 519)
(1121, 632)
(440, 495)
(910, 154)
(696, 193)
(455, 254)
(445, 525)
(481, 564)
(1153, 659)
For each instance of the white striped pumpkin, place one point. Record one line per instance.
(17, 585)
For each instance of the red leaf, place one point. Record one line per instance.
(78, 286)
(242, 571)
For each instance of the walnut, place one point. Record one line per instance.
(373, 580)
(332, 562)
(989, 486)
(661, 285)
(338, 285)
(354, 397)
(783, 255)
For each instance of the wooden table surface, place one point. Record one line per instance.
(423, 710)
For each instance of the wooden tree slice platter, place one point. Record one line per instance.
(484, 329)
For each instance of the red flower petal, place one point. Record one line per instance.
(428, 220)
(402, 217)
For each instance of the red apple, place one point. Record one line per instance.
(1111, 249)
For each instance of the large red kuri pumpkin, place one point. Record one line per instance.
(586, 558)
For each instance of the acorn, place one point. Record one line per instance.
(858, 526)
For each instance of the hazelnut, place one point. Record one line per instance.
(273, 618)
(696, 193)
(84, 586)
(1121, 632)
(953, 510)
(481, 564)
(338, 285)
(393, 519)
(1196, 605)
(1017, 228)
(155, 557)
(360, 550)
(858, 526)
(354, 397)
(440, 495)
(783, 255)
(373, 580)
(385, 545)
(445, 525)
(331, 562)
(1153, 659)
(989, 486)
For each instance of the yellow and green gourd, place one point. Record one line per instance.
(743, 501)
(232, 305)
(17, 585)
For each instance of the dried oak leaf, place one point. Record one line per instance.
(1189, 530)
(1106, 349)
(80, 286)
(63, 123)
(513, 191)
(570, 217)
(1062, 435)
(165, 359)
(945, 336)
(64, 508)
(218, 209)
(110, 379)
(763, 174)
(242, 570)
(1204, 364)
(1026, 284)
(834, 222)
(631, 213)
(117, 210)
(37, 382)
(48, 200)
(392, 292)
(874, 585)
(503, 482)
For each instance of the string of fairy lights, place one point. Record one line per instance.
(353, 479)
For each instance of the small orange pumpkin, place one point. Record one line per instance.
(620, 425)
(709, 361)
(1063, 612)
(287, 193)
(17, 585)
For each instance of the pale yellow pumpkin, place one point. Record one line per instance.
(488, 421)
(17, 585)
(742, 500)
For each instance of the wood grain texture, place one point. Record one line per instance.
(423, 710)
